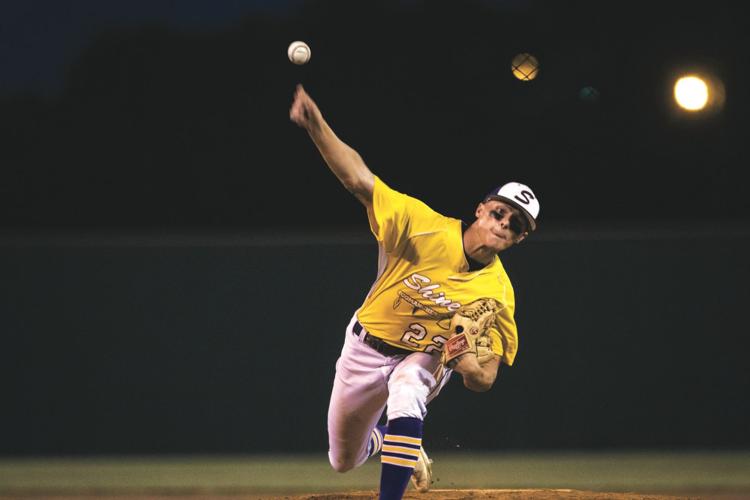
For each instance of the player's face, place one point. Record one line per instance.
(502, 225)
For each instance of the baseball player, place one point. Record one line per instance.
(430, 267)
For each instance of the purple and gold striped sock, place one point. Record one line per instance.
(399, 456)
(376, 440)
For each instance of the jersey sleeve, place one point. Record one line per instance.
(398, 216)
(505, 336)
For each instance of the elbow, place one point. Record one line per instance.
(481, 387)
(478, 385)
(360, 185)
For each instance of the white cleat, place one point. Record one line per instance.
(421, 478)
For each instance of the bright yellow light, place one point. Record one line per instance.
(525, 67)
(691, 93)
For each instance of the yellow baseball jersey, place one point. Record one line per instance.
(423, 278)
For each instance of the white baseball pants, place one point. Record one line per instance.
(365, 383)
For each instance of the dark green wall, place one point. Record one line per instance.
(135, 346)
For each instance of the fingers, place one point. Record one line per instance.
(301, 107)
(304, 112)
(299, 92)
(296, 113)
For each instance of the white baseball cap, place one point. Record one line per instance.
(520, 196)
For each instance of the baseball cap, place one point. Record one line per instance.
(520, 196)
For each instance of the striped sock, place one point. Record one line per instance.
(399, 456)
(376, 440)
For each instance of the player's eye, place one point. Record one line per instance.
(497, 215)
(517, 225)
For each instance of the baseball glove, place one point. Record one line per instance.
(470, 332)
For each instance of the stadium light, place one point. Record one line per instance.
(525, 67)
(691, 93)
(698, 93)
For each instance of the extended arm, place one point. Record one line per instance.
(343, 161)
(477, 378)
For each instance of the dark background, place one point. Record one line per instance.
(160, 217)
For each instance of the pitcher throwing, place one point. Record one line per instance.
(439, 284)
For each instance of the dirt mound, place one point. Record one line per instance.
(492, 494)
(437, 494)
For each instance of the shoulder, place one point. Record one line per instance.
(499, 269)
(390, 199)
(506, 286)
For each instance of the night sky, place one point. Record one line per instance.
(174, 114)
(40, 38)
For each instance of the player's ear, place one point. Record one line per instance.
(521, 237)
(479, 209)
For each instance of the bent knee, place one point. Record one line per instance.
(342, 463)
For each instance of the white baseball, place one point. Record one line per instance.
(299, 52)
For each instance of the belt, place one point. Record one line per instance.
(378, 344)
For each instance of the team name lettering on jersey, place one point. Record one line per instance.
(416, 281)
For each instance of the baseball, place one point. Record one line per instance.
(299, 52)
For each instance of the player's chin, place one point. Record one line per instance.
(500, 243)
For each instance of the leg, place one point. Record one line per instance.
(357, 401)
(411, 385)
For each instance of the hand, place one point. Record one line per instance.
(304, 112)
